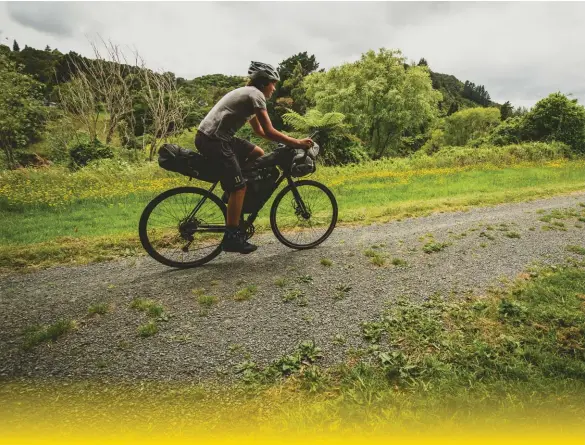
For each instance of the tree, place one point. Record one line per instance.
(166, 107)
(22, 115)
(520, 111)
(337, 145)
(78, 100)
(557, 118)
(109, 78)
(290, 78)
(477, 93)
(40, 65)
(506, 110)
(15, 46)
(294, 85)
(380, 99)
(473, 123)
(287, 66)
(423, 62)
(509, 132)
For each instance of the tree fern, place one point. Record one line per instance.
(313, 120)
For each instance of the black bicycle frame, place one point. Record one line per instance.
(252, 216)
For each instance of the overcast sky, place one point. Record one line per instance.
(519, 51)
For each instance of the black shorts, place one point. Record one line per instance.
(227, 156)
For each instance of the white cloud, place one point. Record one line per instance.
(519, 51)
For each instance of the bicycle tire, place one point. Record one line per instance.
(273, 215)
(152, 205)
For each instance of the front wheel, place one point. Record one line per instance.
(303, 214)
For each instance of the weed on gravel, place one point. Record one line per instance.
(576, 249)
(246, 293)
(148, 329)
(326, 262)
(293, 295)
(341, 291)
(399, 262)
(307, 279)
(378, 260)
(280, 282)
(98, 308)
(305, 355)
(207, 301)
(433, 246)
(150, 307)
(36, 335)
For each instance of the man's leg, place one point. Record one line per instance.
(252, 156)
(234, 209)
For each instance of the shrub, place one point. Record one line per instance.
(508, 132)
(85, 151)
(472, 123)
(557, 118)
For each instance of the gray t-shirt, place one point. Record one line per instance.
(232, 112)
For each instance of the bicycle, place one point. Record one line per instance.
(190, 225)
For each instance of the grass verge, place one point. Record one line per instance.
(102, 228)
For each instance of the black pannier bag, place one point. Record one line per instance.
(259, 188)
(297, 162)
(186, 162)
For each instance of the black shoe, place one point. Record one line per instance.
(235, 241)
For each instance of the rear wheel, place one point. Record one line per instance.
(175, 236)
(304, 215)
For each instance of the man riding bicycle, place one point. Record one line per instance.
(216, 141)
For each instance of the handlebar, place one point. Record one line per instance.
(281, 145)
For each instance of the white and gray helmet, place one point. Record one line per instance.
(259, 69)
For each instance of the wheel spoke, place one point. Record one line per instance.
(166, 231)
(299, 230)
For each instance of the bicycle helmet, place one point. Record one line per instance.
(259, 69)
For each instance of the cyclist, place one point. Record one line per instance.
(215, 140)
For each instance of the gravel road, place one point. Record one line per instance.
(195, 343)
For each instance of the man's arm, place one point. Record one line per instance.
(273, 134)
(257, 127)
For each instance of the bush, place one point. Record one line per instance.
(435, 142)
(508, 132)
(557, 118)
(487, 154)
(85, 151)
(340, 149)
(470, 124)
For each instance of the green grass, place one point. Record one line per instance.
(99, 229)
(576, 249)
(378, 260)
(98, 308)
(293, 295)
(36, 335)
(246, 294)
(370, 253)
(433, 246)
(151, 308)
(399, 262)
(280, 282)
(207, 301)
(148, 329)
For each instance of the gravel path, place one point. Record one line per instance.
(193, 345)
